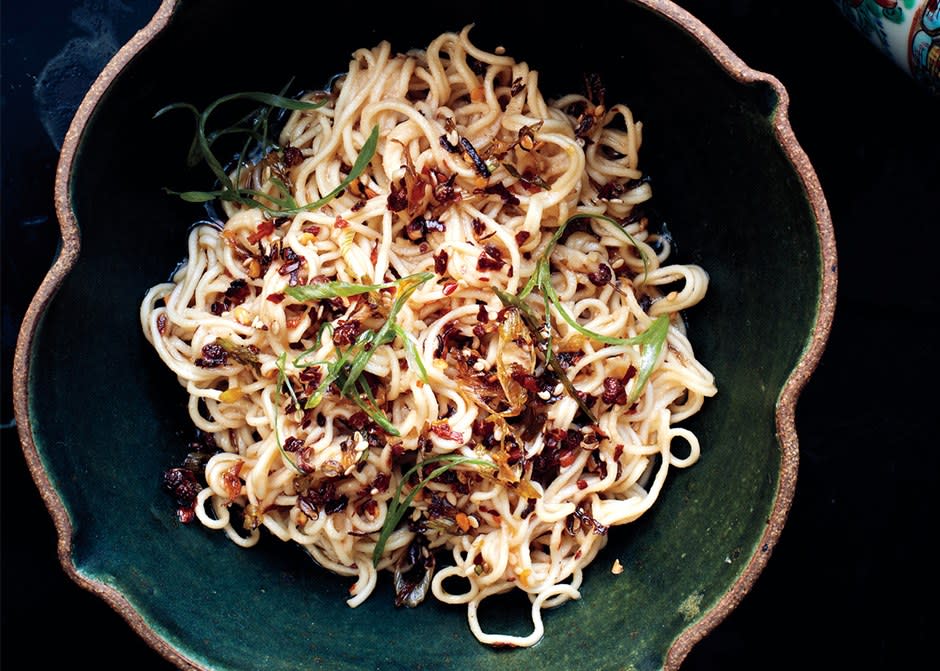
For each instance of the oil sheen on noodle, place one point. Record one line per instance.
(473, 173)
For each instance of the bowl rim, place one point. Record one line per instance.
(785, 423)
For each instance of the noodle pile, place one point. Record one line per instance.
(472, 174)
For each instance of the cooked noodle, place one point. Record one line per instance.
(324, 476)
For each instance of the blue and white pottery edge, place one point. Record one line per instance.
(908, 31)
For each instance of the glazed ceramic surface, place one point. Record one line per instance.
(908, 31)
(101, 418)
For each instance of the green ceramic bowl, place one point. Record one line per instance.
(101, 418)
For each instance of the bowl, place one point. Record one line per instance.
(100, 418)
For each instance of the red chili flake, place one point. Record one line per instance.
(237, 292)
(358, 420)
(478, 227)
(526, 380)
(566, 458)
(275, 298)
(370, 508)
(440, 262)
(483, 315)
(442, 429)
(161, 323)
(381, 482)
(231, 482)
(292, 444)
(397, 197)
(424, 248)
(213, 356)
(265, 228)
(312, 230)
(522, 236)
(291, 267)
(374, 255)
(292, 156)
(444, 191)
(491, 258)
(340, 223)
(601, 276)
(618, 452)
(417, 194)
(479, 331)
(182, 484)
(346, 331)
(505, 194)
(582, 484)
(415, 229)
(517, 85)
(614, 392)
(449, 288)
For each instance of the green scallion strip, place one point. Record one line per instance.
(335, 369)
(652, 340)
(411, 351)
(300, 361)
(202, 148)
(406, 287)
(281, 379)
(397, 508)
(202, 118)
(543, 261)
(362, 162)
(336, 289)
(371, 408)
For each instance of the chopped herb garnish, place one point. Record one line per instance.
(230, 190)
(406, 287)
(397, 508)
(281, 379)
(346, 371)
(652, 340)
(412, 356)
(244, 354)
(335, 369)
(336, 289)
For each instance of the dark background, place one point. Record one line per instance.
(852, 583)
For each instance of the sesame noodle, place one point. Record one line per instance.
(473, 172)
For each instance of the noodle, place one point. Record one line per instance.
(482, 209)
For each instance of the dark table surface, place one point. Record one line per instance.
(852, 583)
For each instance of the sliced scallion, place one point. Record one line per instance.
(397, 507)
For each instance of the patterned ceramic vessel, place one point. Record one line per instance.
(906, 30)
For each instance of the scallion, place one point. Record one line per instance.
(397, 508)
